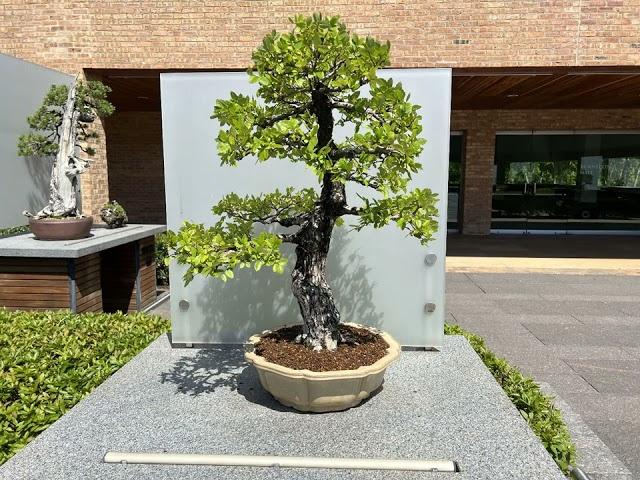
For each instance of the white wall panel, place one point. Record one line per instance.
(379, 277)
(24, 182)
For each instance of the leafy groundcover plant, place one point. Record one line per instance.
(535, 407)
(5, 232)
(316, 78)
(51, 360)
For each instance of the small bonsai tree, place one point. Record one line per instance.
(113, 214)
(311, 80)
(61, 127)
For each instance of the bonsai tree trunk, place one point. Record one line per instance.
(310, 286)
(309, 277)
(63, 187)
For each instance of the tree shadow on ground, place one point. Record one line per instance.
(218, 367)
(223, 366)
(210, 369)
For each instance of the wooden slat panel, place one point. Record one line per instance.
(62, 289)
(27, 303)
(89, 268)
(92, 259)
(96, 307)
(32, 282)
(36, 309)
(146, 289)
(22, 298)
(84, 291)
(32, 276)
(92, 305)
(148, 274)
(33, 269)
(89, 298)
(539, 89)
(119, 275)
(30, 261)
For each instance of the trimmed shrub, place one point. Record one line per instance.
(51, 360)
(535, 407)
(5, 232)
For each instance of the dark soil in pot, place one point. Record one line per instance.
(365, 348)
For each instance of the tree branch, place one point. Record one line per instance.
(272, 218)
(354, 152)
(288, 237)
(350, 211)
(268, 122)
(348, 107)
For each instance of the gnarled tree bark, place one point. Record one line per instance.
(63, 186)
(309, 277)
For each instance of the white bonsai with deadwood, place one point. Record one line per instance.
(311, 80)
(61, 127)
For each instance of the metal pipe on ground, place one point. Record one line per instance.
(282, 462)
(578, 474)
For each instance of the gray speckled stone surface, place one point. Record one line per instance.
(434, 405)
(101, 239)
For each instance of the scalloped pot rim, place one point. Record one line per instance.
(393, 352)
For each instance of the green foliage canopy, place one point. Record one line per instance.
(43, 140)
(318, 62)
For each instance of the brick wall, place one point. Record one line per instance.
(136, 168)
(71, 35)
(480, 128)
(95, 181)
(74, 34)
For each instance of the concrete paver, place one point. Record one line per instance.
(577, 334)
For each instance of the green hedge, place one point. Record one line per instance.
(535, 407)
(4, 232)
(51, 360)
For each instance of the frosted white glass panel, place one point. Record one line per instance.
(379, 277)
(24, 182)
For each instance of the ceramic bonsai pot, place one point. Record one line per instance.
(61, 228)
(331, 391)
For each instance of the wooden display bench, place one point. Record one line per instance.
(111, 270)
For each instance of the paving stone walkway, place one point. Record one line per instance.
(577, 335)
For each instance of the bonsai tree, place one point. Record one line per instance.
(309, 81)
(113, 215)
(61, 127)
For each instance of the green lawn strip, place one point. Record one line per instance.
(51, 360)
(535, 407)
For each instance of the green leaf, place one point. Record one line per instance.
(49, 361)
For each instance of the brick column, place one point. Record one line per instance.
(478, 170)
(94, 183)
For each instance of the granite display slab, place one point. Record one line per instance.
(101, 238)
(433, 405)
